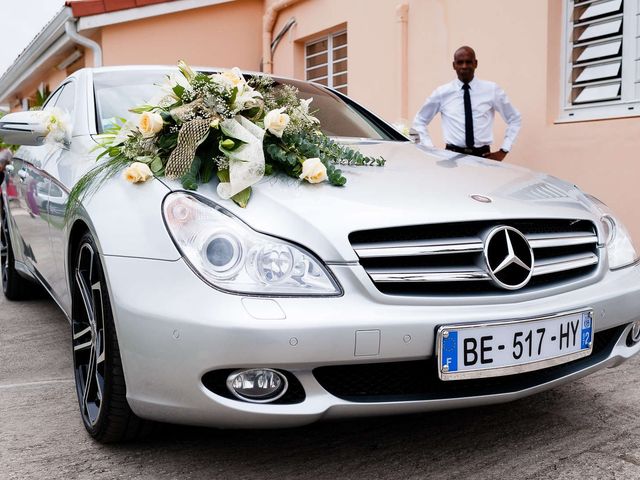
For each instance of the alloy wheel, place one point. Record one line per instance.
(88, 334)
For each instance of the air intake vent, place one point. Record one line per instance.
(449, 259)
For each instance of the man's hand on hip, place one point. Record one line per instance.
(498, 155)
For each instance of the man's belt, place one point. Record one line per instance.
(478, 152)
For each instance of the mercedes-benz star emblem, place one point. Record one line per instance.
(509, 257)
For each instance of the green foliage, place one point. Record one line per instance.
(242, 198)
(142, 109)
(41, 97)
(206, 171)
(190, 179)
(178, 90)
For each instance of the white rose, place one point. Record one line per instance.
(137, 172)
(313, 171)
(150, 123)
(229, 78)
(275, 121)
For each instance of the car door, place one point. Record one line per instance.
(30, 222)
(57, 196)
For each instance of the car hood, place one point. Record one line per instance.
(416, 186)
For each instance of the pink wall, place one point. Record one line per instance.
(372, 46)
(518, 46)
(224, 35)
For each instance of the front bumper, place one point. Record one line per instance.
(172, 329)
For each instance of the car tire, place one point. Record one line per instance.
(14, 286)
(99, 377)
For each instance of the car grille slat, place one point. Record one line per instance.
(398, 249)
(561, 264)
(570, 239)
(438, 259)
(429, 276)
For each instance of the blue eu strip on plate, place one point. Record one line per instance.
(450, 351)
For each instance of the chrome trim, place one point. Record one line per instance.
(466, 245)
(409, 249)
(429, 276)
(562, 264)
(471, 270)
(513, 369)
(510, 258)
(537, 240)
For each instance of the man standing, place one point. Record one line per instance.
(467, 106)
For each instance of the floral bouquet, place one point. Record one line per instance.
(221, 124)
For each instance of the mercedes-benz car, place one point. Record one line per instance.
(438, 281)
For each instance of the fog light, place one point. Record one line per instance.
(634, 334)
(257, 385)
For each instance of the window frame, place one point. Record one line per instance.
(629, 103)
(330, 49)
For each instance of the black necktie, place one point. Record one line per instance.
(468, 117)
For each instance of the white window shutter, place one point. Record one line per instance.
(596, 28)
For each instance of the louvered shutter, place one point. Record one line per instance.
(597, 51)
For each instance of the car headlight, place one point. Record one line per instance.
(229, 255)
(620, 248)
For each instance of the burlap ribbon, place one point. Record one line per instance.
(191, 135)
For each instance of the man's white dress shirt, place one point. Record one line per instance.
(486, 99)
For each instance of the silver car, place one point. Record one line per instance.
(437, 281)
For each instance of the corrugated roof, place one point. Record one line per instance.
(84, 8)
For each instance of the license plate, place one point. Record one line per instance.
(506, 348)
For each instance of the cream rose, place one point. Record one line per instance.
(150, 123)
(229, 78)
(234, 77)
(275, 121)
(313, 171)
(137, 172)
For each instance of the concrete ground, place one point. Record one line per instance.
(585, 430)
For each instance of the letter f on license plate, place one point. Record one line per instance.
(506, 348)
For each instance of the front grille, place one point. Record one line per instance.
(418, 380)
(448, 259)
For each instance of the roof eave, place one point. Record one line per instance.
(139, 13)
(48, 42)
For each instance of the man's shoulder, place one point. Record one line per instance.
(447, 87)
(487, 84)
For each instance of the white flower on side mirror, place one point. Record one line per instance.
(57, 124)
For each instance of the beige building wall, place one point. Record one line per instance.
(222, 35)
(518, 44)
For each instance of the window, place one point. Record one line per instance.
(326, 61)
(601, 67)
(66, 101)
(115, 92)
(53, 98)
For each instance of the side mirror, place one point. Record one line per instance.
(23, 128)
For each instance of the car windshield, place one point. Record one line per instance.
(118, 91)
